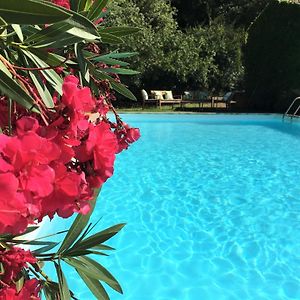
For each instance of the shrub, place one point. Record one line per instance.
(272, 59)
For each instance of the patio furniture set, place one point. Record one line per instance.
(160, 97)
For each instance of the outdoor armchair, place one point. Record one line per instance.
(197, 96)
(147, 100)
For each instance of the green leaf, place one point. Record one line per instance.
(96, 9)
(118, 87)
(45, 248)
(2, 22)
(50, 290)
(74, 5)
(79, 21)
(119, 31)
(123, 90)
(99, 237)
(31, 12)
(110, 61)
(120, 71)
(13, 90)
(63, 286)
(76, 253)
(107, 38)
(95, 286)
(51, 76)
(43, 91)
(104, 247)
(95, 271)
(19, 284)
(4, 69)
(83, 34)
(83, 5)
(77, 227)
(50, 59)
(121, 54)
(48, 35)
(18, 30)
(84, 71)
(106, 276)
(29, 242)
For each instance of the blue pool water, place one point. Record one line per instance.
(212, 206)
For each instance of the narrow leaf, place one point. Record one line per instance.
(2, 22)
(107, 277)
(77, 227)
(120, 71)
(43, 91)
(120, 31)
(14, 91)
(82, 64)
(19, 284)
(31, 12)
(95, 286)
(81, 22)
(63, 286)
(48, 34)
(118, 87)
(104, 247)
(96, 9)
(108, 38)
(94, 270)
(18, 30)
(100, 237)
(110, 61)
(121, 54)
(123, 90)
(51, 76)
(45, 248)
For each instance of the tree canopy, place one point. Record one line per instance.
(203, 57)
(203, 12)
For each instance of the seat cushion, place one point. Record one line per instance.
(158, 95)
(169, 95)
(145, 95)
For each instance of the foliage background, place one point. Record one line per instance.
(272, 57)
(184, 45)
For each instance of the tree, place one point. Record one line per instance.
(205, 57)
(203, 12)
(156, 22)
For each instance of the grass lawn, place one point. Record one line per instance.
(169, 109)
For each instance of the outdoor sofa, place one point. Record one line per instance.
(160, 97)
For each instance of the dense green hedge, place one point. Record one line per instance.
(272, 57)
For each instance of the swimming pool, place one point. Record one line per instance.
(212, 206)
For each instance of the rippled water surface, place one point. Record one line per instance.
(213, 210)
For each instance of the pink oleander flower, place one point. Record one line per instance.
(13, 261)
(127, 136)
(54, 169)
(63, 3)
(29, 291)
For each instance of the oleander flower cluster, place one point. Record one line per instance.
(58, 145)
(54, 168)
(13, 261)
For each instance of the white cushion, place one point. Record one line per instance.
(145, 95)
(169, 95)
(158, 95)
